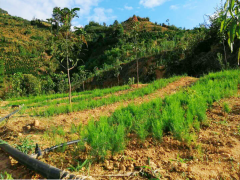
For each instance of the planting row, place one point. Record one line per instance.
(181, 114)
(82, 105)
(56, 98)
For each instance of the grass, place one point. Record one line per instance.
(180, 114)
(5, 175)
(26, 145)
(90, 104)
(45, 99)
(226, 107)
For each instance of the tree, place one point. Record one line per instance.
(117, 68)
(83, 75)
(66, 43)
(231, 22)
(135, 49)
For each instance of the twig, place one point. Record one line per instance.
(117, 175)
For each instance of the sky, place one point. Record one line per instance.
(181, 13)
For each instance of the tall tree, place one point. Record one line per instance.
(66, 43)
(135, 48)
(231, 22)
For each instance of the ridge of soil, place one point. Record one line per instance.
(16, 128)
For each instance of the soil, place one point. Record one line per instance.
(213, 155)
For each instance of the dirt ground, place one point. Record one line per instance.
(214, 155)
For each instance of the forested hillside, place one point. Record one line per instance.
(30, 67)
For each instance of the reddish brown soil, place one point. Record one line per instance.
(214, 154)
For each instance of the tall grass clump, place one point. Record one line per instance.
(54, 99)
(90, 104)
(180, 114)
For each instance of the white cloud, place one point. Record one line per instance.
(152, 3)
(128, 7)
(102, 15)
(42, 9)
(174, 7)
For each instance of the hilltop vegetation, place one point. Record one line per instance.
(31, 69)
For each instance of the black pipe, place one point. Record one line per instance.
(39, 167)
(60, 145)
(12, 113)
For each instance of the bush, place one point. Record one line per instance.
(31, 84)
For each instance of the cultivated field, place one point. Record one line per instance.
(175, 128)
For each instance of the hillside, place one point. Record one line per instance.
(23, 45)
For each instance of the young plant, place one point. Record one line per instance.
(67, 45)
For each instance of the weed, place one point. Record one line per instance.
(5, 175)
(226, 107)
(79, 166)
(26, 145)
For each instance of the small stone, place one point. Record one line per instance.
(116, 164)
(189, 169)
(131, 167)
(153, 165)
(28, 127)
(122, 168)
(183, 167)
(19, 134)
(36, 123)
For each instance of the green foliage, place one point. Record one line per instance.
(79, 166)
(26, 145)
(231, 24)
(1, 72)
(3, 11)
(226, 107)
(5, 175)
(81, 105)
(181, 114)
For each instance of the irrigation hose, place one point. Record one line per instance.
(37, 166)
(39, 153)
(12, 113)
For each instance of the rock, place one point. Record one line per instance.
(28, 127)
(122, 168)
(36, 123)
(153, 165)
(189, 169)
(183, 167)
(130, 167)
(174, 166)
(116, 164)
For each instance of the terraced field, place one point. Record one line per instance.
(169, 129)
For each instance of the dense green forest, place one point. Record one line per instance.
(28, 65)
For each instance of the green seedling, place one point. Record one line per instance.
(5, 175)
(226, 107)
(26, 145)
(78, 167)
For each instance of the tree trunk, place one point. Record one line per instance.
(83, 86)
(137, 74)
(70, 88)
(225, 55)
(118, 80)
